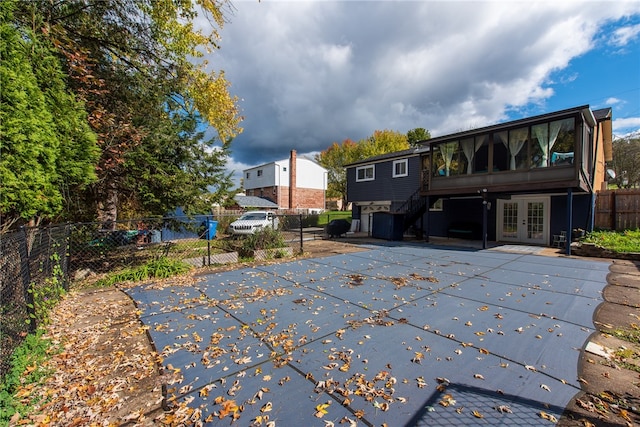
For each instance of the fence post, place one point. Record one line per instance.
(207, 225)
(614, 214)
(26, 281)
(301, 239)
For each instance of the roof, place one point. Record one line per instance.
(394, 155)
(522, 122)
(603, 113)
(593, 116)
(254, 202)
(275, 162)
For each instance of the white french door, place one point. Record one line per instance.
(523, 220)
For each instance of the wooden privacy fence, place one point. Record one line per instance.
(618, 210)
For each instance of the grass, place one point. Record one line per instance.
(158, 268)
(193, 248)
(325, 218)
(618, 241)
(26, 369)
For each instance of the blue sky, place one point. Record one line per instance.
(310, 73)
(608, 75)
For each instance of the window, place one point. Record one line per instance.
(447, 161)
(248, 175)
(284, 169)
(553, 143)
(437, 206)
(259, 172)
(400, 168)
(365, 173)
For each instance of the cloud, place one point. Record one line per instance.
(312, 73)
(626, 125)
(613, 101)
(623, 36)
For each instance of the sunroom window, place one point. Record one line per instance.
(448, 159)
(553, 143)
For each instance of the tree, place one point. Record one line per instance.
(47, 147)
(334, 159)
(414, 136)
(132, 62)
(337, 156)
(626, 162)
(173, 167)
(382, 142)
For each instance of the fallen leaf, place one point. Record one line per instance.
(477, 414)
(548, 417)
(321, 409)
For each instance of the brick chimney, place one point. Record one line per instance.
(292, 180)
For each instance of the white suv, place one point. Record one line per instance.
(253, 221)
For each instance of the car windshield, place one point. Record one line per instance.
(253, 216)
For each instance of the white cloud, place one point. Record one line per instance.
(312, 73)
(626, 125)
(613, 101)
(623, 36)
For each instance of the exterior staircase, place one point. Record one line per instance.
(413, 208)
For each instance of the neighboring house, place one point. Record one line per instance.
(253, 202)
(295, 183)
(523, 181)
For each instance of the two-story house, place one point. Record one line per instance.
(522, 181)
(295, 183)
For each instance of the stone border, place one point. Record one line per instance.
(592, 250)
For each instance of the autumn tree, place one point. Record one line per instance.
(48, 150)
(134, 63)
(333, 159)
(414, 136)
(626, 162)
(337, 156)
(382, 142)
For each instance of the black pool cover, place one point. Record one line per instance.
(402, 334)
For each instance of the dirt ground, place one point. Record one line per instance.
(108, 372)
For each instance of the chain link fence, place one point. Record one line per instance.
(36, 262)
(33, 269)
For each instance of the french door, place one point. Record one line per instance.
(523, 220)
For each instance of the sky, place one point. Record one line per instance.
(311, 73)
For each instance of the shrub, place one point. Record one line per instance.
(160, 268)
(26, 368)
(621, 241)
(267, 238)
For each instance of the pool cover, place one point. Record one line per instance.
(398, 335)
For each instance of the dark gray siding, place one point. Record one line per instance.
(384, 186)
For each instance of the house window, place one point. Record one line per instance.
(284, 169)
(248, 175)
(510, 149)
(365, 173)
(259, 172)
(447, 162)
(437, 206)
(400, 168)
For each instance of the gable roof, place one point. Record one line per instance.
(254, 202)
(394, 155)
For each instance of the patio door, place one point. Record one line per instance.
(523, 220)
